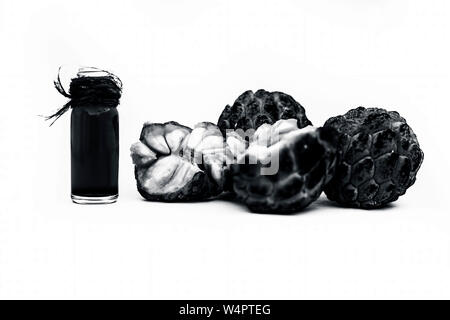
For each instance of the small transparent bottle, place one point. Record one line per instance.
(94, 134)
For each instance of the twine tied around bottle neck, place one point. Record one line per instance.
(91, 87)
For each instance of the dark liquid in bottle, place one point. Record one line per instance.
(95, 151)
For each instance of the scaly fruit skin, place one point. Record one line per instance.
(251, 110)
(306, 163)
(379, 157)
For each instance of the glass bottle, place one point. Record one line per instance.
(94, 134)
(94, 154)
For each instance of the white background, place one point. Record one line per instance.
(184, 61)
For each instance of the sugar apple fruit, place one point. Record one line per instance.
(284, 168)
(175, 163)
(379, 157)
(251, 110)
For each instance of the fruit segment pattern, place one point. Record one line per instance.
(379, 158)
(176, 163)
(250, 110)
(303, 161)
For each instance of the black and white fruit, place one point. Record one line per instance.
(175, 163)
(251, 110)
(379, 158)
(285, 168)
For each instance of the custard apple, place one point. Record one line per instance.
(284, 168)
(251, 110)
(175, 163)
(379, 157)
